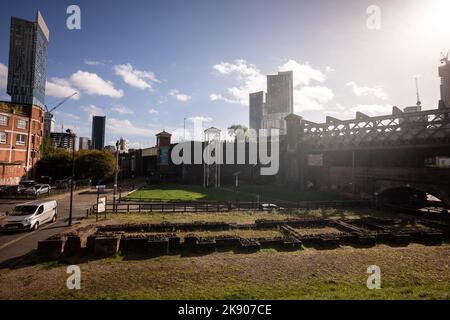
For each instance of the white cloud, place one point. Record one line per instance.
(373, 109)
(92, 110)
(362, 91)
(136, 145)
(179, 96)
(249, 79)
(307, 96)
(215, 96)
(311, 98)
(122, 110)
(92, 84)
(3, 76)
(126, 128)
(162, 99)
(136, 78)
(93, 62)
(60, 88)
(200, 119)
(66, 115)
(304, 74)
(153, 111)
(329, 69)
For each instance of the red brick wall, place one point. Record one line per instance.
(16, 159)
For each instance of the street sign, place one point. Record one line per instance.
(101, 205)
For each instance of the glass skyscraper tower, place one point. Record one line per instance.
(27, 70)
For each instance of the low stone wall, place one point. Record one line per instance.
(155, 240)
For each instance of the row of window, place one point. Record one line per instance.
(21, 124)
(21, 139)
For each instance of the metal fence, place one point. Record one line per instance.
(202, 206)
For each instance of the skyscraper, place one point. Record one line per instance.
(444, 73)
(27, 70)
(256, 109)
(279, 103)
(280, 93)
(49, 124)
(84, 143)
(98, 132)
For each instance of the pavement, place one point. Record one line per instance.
(14, 246)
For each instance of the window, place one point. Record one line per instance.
(21, 124)
(20, 139)
(3, 120)
(3, 137)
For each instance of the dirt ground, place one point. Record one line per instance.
(413, 272)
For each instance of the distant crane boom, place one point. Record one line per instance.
(62, 102)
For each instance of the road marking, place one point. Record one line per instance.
(23, 237)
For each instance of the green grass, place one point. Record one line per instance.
(243, 193)
(187, 193)
(415, 272)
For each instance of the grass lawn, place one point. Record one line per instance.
(243, 193)
(413, 272)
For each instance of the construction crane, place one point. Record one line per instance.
(59, 104)
(48, 117)
(419, 103)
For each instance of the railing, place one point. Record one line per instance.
(203, 206)
(431, 126)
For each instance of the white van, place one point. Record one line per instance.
(31, 215)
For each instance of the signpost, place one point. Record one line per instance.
(101, 206)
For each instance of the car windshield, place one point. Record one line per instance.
(23, 210)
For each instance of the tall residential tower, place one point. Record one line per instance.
(98, 132)
(27, 70)
(256, 109)
(444, 73)
(279, 103)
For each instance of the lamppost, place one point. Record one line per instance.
(116, 173)
(72, 136)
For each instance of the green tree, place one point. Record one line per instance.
(57, 165)
(47, 148)
(232, 130)
(94, 164)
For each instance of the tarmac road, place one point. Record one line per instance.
(15, 245)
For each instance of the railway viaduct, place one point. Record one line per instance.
(369, 157)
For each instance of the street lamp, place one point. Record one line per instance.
(72, 136)
(116, 173)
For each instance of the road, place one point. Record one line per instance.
(13, 246)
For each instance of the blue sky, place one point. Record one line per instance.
(148, 65)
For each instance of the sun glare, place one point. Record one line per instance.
(433, 23)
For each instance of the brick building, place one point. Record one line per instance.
(21, 129)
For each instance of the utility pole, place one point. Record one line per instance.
(72, 135)
(184, 130)
(116, 174)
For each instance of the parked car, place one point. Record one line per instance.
(8, 190)
(268, 207)
(38, 189)
(63, 184)
(31, 215)
(24, 185)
